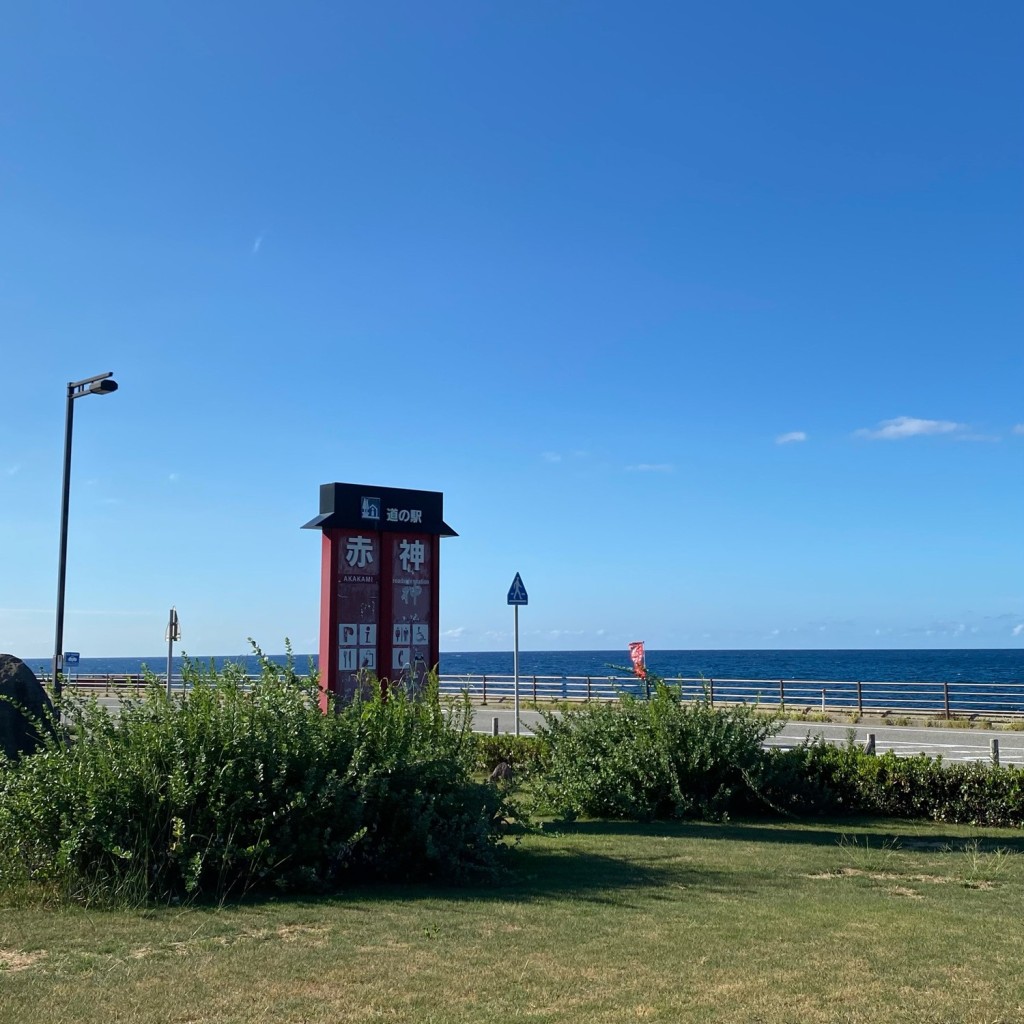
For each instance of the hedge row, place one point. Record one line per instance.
(240, 788)
(663, 758)
(823, 779)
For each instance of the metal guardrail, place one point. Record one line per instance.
(942, 699)
(945, 699)
(100, 685)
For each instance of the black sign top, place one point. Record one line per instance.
(392, 509)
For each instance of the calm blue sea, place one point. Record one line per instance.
(979, 666)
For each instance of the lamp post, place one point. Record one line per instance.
(101, 384)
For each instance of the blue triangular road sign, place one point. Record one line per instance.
(517, 592)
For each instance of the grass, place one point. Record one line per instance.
(602, 922)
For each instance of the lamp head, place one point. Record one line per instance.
(102, 387)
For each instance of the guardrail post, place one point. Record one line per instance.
(945, 697)
(483, 699)
(993, 747)
(782, 692)
(869, 743)
(860, 698)
(494, 726)
(711, 692)
(823, 700)
(534, 689)
(588, 687)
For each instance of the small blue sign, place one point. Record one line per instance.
(70, 658)
(517, 592)
(370, 508)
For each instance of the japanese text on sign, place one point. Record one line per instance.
(412, 555)
(359, 552)
(405, 515)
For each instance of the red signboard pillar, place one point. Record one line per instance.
(379, 594)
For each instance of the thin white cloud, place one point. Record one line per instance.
(173, 477)
(793, 435)
(1018, 630)
(454, 634)
(577, 453)
(651, 467)
(908, 426)
(1018, 428)
(257, 245)
(14, 470)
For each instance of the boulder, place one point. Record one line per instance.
(25, 708)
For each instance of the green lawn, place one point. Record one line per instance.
(600, 922)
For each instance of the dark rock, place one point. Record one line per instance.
(25, 708)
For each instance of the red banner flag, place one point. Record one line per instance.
(636, 653)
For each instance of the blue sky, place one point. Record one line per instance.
(705, 318)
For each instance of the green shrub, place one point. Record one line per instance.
(233, 788)
(526, 755)
(786, 787)
(846, 779)
(653, 759)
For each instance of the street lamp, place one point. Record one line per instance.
(101, 384)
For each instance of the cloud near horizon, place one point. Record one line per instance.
(908, 426)
(650, 467)
(793, 435)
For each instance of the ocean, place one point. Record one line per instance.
(935, 666)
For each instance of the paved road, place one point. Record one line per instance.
(952, 744)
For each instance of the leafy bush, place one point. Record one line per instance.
(236, 787)
(657, 758)
(846, 779)
(787, 787)
(526, 755)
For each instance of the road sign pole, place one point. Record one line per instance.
(173, 633)
(516, 596)
(170, 659)
(515, 665)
